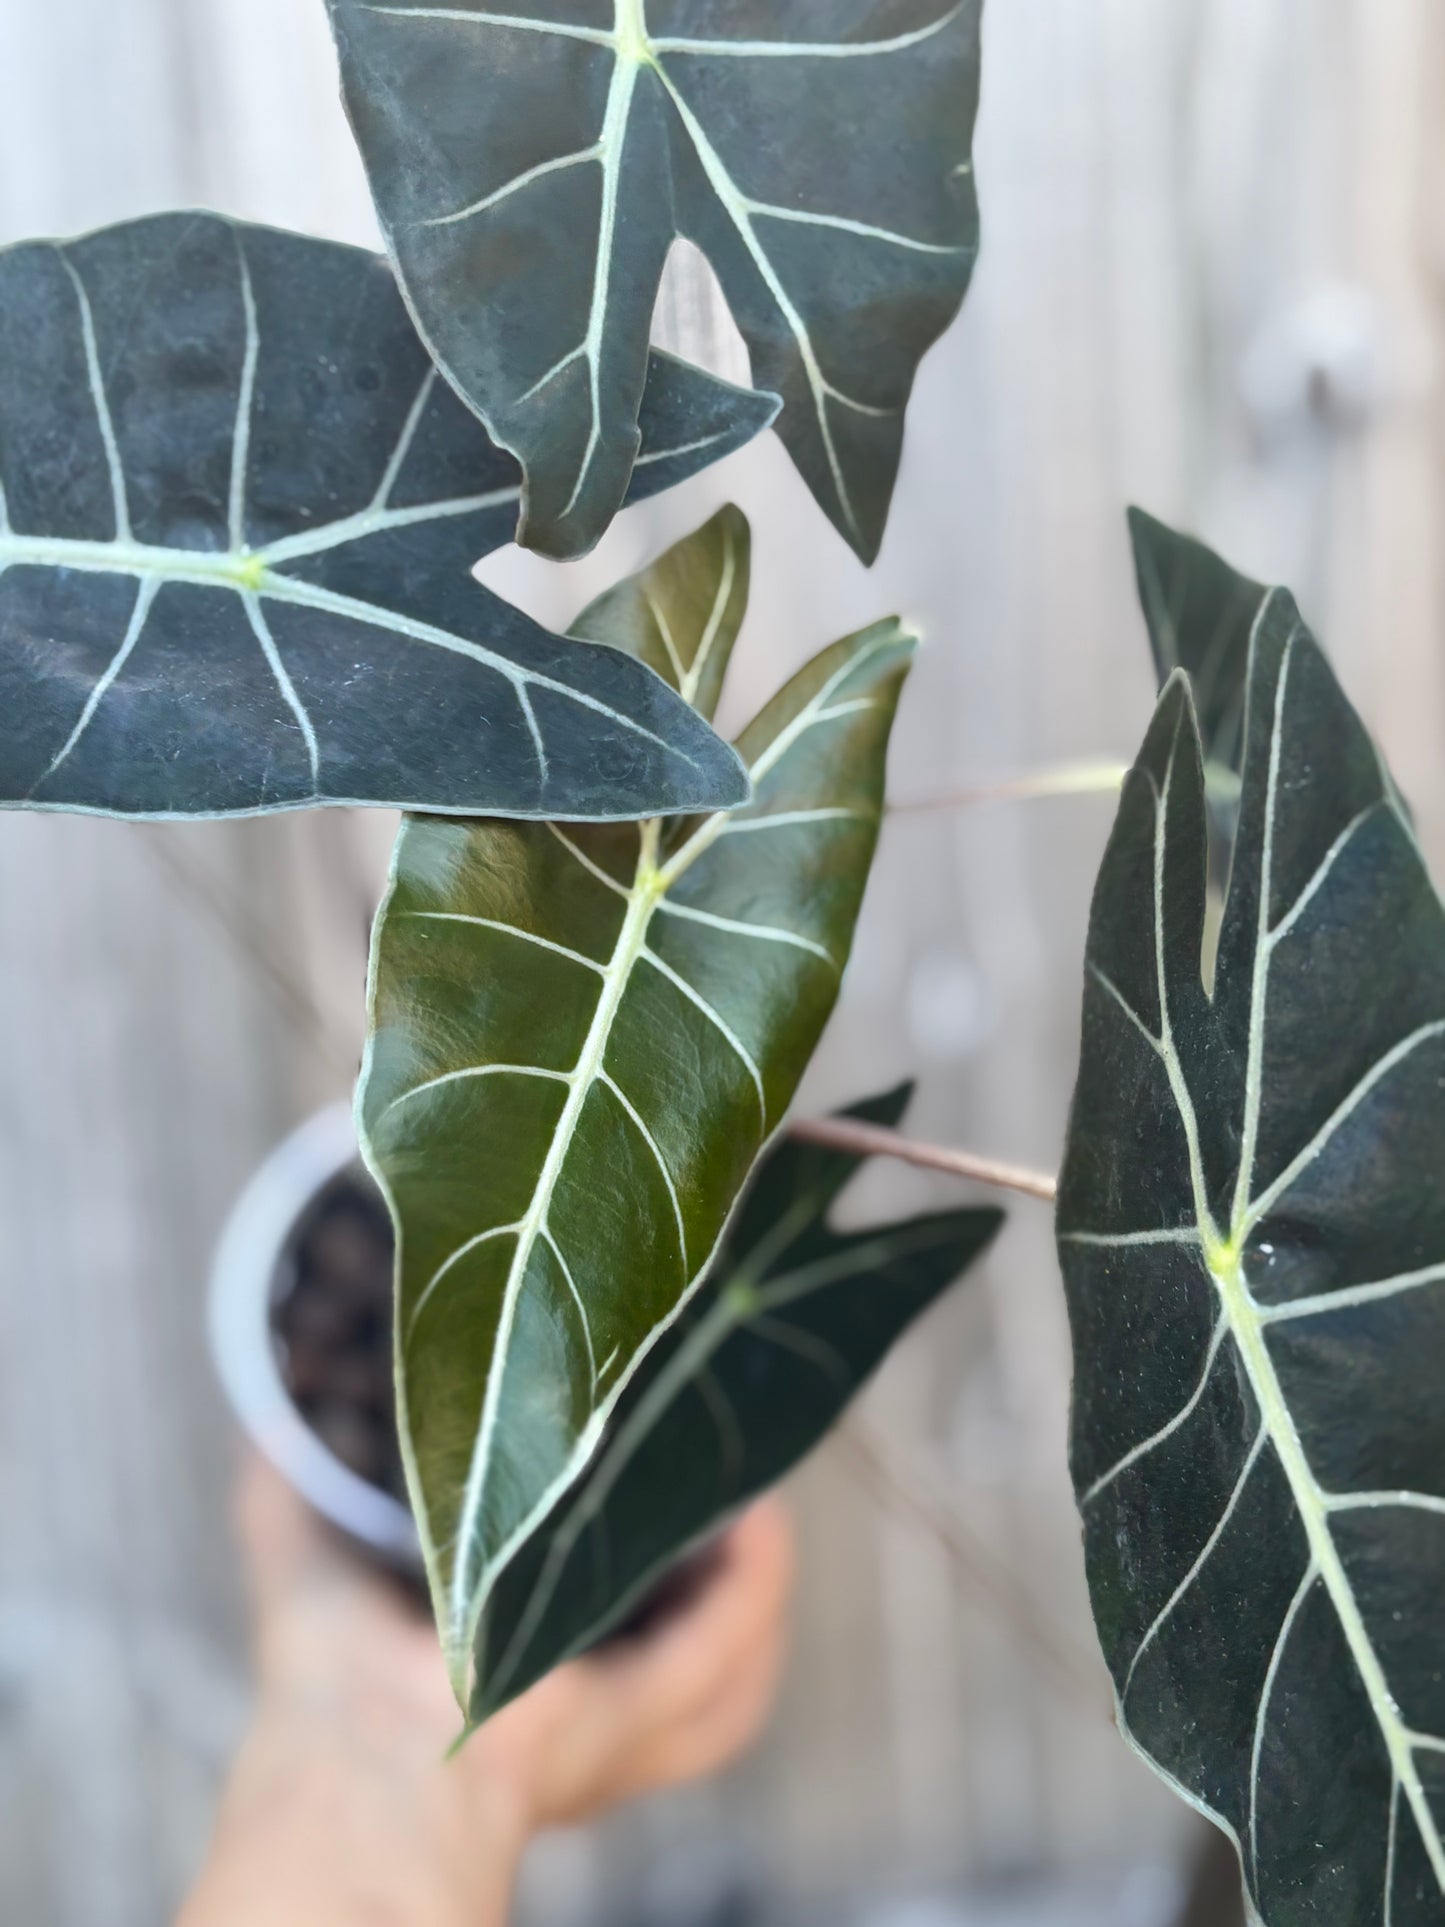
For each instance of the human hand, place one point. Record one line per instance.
(342, 1806)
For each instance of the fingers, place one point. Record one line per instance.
(720, 1730)
(677, 1672)
(680, 1702)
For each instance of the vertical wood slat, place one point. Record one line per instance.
(148, 1065)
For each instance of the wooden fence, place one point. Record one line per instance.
(1213, 246)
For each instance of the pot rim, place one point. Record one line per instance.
(245, 1274)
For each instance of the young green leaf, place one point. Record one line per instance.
(238, 515)
(581, 1041)
(790, 1322)
(1252, 1229)
(534, 161)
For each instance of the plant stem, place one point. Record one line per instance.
(1068, 779)
(873, 1140)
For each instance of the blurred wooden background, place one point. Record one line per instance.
(1214, 243)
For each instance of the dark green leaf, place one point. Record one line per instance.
(790, 1322)
(1252, 1228)
(532, 163)
(581, 1042)
(238, 515)
(1201, 614)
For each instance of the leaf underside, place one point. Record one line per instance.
(541, 159)
(581, 1041)
(1252, 1231)
(790, 1322)
(238, 515)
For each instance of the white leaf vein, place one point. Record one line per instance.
(1307, 1583)
(146, 591)
(806, 1345)
(795, 819)
(449, 1263)
(521, 22)
(735, 205)
(1246, 1318)
(391, 474)
(1166, 1431)
(1201, 1560)
(586, 1322)
(740, 927)
(807, 49)
(506, 930)
(1348, 1297)
(864, 230)
(245, 402)
(561, 163)
(690, 683)
(644, 1131)
(261, 629)
(664, 630)
(120, 504)
(1121, 1240)
(719, 1023)
(468, 1072)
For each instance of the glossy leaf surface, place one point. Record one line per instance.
(1252, 1228)
(238, 515)
(581, 1041)
(533, 161)
(792, 1319)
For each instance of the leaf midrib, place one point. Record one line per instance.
(1224, 1262)
(1246, 1327)
(650, 887)
(645, 896)
(249, 573)
(634, 51)
(236, 567)
(642, 901)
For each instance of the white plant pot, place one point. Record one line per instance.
(248, 1276)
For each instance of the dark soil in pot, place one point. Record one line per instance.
(331, 1320)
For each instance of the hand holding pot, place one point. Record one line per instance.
(342, 1807)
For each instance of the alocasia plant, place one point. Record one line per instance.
(238, 515)
(790, 1321)
(581, 1042)
(533, 161)
(1253, 1238)
(244, 479)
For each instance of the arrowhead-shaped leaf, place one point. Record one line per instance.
(532, 163)
(238, 514)
(581, 1042)
(1252, 1228)
(792, 1319)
